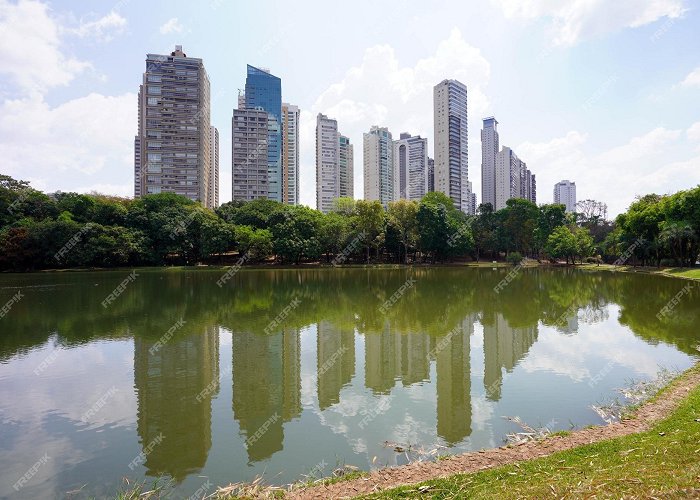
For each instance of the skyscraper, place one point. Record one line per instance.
(507, 167)
(565, 193)
(378, 152)
(346, 167)
(264, 91)
(451, 148)
(327, 163)
(172, 147)
(431, 175)
(290, 154)
(249, 131)
(489, 150)
(410, 167)
(214, 171)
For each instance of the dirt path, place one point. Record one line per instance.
(383, 479)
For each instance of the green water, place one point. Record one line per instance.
(291, 372)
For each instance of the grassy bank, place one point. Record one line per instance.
(664, 461)
(674, 272)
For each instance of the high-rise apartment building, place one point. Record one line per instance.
(290, 154)
(327, 163)
(346, 167)
(451, 148)
(378, 152)
(264, 91)
(410, 167)
(249, 152)
(431, 175)
(214, 171)
(489, 150)
(565, 194)
(507, 167)
(172, 148)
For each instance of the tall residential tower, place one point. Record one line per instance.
(410, 167)
(327, 163)
(451, 148)
(172, 150)
(290, 154)
(489, 150)
(565, 193)
(378, 152)
(346, 167)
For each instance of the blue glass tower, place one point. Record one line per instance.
(264, 90)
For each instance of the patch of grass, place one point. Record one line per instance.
(664, 462)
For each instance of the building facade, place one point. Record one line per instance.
(489, 150)
(249, 148)
(172, 148)
(451, 147)
(431, 175)
(290, 154)
(410, 167)
(565, 194)
(214, 171)
(327, 163)
(264, 91)
(378, 165)
(346, 167)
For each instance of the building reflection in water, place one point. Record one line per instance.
(175, 381)
(454, 409)
(335, 361)
(266, 387)
(504, 347)
(391, 355)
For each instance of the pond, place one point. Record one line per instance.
(209, 377)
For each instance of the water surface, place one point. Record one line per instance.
(293, 372)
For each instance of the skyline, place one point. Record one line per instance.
(578, 92)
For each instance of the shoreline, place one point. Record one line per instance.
(671, 272)
(644, 418)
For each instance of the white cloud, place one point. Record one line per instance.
(104, 28)
(693, 133)
(380, 91)
(618, 175)
(172, 25)
(83, 142)
(573, 21)
(32, 55)
(693, 79)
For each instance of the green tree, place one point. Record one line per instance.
(402, 215)
(369, 220)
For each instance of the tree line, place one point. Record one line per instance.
(65, 230)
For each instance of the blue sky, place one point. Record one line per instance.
(603, 93)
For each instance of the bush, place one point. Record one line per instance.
(514, 258)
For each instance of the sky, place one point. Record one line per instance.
(606, 94)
